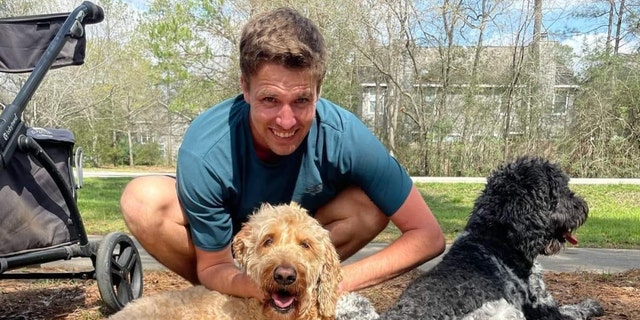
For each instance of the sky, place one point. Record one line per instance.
(137, 4)
(558, 22)
(585, 32)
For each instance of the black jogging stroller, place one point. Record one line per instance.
(39, 217)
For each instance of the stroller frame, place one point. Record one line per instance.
(116, 260)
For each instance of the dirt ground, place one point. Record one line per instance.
(619, 293)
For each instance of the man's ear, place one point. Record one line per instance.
(245, 88)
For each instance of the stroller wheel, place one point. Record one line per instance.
(118, 270)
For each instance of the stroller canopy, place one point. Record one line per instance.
(23, 40)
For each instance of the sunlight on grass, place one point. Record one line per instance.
(99, 204)
(614, 212)
(451, 203)
(614, 216)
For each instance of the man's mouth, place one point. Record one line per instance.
(283, 134)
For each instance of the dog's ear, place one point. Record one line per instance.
(241, 244)
(330, 278)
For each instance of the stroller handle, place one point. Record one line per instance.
(93, 13)
(11, 125)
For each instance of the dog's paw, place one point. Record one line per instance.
(593, 308)
(584, 310)
(352, 306)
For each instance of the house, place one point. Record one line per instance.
(507, 90)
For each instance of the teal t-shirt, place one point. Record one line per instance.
(221, 180)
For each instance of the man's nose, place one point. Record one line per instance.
(286, 118)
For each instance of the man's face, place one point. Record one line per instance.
(283, 105)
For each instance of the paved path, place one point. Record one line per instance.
(569, 260)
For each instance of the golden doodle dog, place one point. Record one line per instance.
(286, 252)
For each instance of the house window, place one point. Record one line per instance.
(373, 102)
(373, 99)
(430, 95)
(560, 102)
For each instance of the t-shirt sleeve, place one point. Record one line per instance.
(201, 195)
(373, 168)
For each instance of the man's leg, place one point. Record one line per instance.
(154, 216)
(353, 220)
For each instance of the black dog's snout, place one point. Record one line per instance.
(285, 275)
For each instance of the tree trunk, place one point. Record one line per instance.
(130, 144)
(616, 46)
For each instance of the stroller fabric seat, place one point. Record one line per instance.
(33, 213)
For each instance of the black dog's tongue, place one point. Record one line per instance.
(571, 238)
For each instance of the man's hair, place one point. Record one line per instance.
(285, 37)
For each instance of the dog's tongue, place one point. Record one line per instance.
(282, 301)
(571, 238)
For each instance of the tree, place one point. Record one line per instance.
(192, 44)
(607, 130)
(12, 8)
(117, 103)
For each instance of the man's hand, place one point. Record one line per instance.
(217, 271)
(421, 241)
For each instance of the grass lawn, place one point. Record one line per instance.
(614, 217)
(614, 212)
(99, 204)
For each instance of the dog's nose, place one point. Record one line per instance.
(284, 275)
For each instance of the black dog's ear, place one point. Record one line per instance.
(523, 178)
(558, 183)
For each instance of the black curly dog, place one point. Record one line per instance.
(490, 272)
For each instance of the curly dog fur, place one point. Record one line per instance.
(286, 252)
(354, 306)
(490, 271)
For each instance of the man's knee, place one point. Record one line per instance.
(353, 220)
(148, 200)
(354, 204)
(367, 224)
(133, 198)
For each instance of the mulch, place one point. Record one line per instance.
(619, 294)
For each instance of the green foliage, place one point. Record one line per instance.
(112, 149)
(98, 145)
(147, 154)
(605, 138)
(192, 45)
(10, 8)
(167, 64)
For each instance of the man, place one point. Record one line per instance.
(279, 142)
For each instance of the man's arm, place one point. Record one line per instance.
(421, 240)
(217, 271)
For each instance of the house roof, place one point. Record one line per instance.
(494, 68)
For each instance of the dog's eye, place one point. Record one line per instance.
(305, 245)
(267, 242)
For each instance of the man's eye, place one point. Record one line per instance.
(269, 99)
